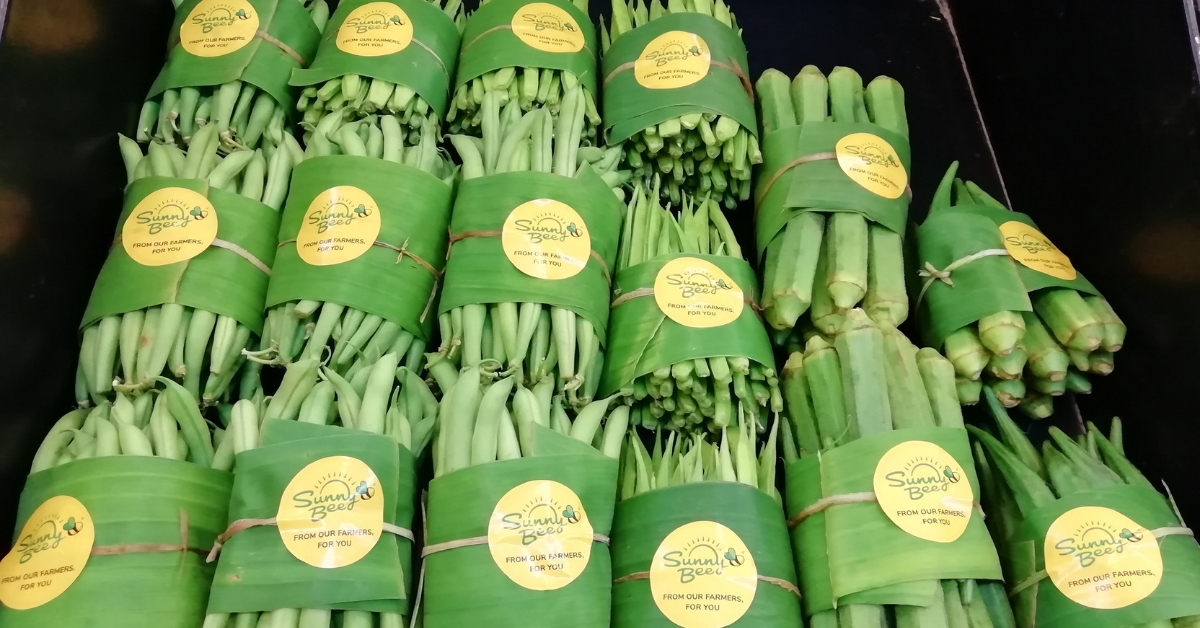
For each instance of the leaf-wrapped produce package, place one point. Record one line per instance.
(392, 57)
(229, 64)
(831, 200)
(529, 53)
(1085, 537)
(677, 96)
(882, 455)
(1008, 307)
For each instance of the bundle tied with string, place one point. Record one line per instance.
(122, 538)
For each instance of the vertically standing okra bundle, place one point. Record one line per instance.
(231, 71)
(677, 96)
(1007, 305)
(832, 199)
(871, 418)
(388, 58)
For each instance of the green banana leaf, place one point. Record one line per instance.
(1033, 279)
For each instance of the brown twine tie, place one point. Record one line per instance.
(508, 27)
(241, 525)
(265, 36)
(732, 67)
(496, 233)
(640, 293)
(779, 582)
(152, 548)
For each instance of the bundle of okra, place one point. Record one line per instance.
(699, 153)
(827, 263)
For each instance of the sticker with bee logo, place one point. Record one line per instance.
(547, 28)
(168, 226)
(218, 27)
(871, 162)
(331, 513)
(1102, 559)
(672, 60)
(703, 576)
(48, 555)
(375, 29)
(341, 224)
(1034, 250)
(547, 239)
(924, 490)
(540, 536)
(695, 293)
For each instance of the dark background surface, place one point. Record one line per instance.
(1092, 110)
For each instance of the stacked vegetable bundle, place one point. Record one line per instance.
(882, 454)
(677, 96)
(1008, 307)
(832, 204)
(1086, 538)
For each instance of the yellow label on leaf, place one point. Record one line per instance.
(48, 555)
(168, 226)
(375, 29)
(703, 576)
(672, 60)
(1102, 559)
(1034, 250)
(540, 536)
(924, 491)
(548, 28)
(340, 225)
(546, 239)
(872, 163)
(695, 293)
(218, 27)
(331, 513)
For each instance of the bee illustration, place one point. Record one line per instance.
(570, 514)
(362, 211)
(365, 491)
(950, 475)
(734, 558)
(72, 527)
(694, 51)
(241, 15)
(1130, 536)
(198, 213)
(574, 230)
(397, 21)
(720, 283)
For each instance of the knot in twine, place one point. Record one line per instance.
(932, 274)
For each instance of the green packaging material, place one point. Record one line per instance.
(479, 271)
(1043, 605)
(645, 339)
(783, 190)
(490, 40)
(132, 500)
(414, 209)
(852, 553)
(425, 61)
(256, 572)
(465, 587)
(643, 522)
(229, 277)
(285, 39)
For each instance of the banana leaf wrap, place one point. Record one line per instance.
(490, 41)
(643, 522)
(645, 339)
(133, 500)
(1033, 238)
(464, 586)
(479, 271)
(1041, 603)
(285, 39)
(852, 553)
(424, 62)
(228, 277)
(257, 572)
(784, 190)
(725, 89)
(413, 211)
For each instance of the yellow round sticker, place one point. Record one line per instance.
(548, 28)
(703, 576)
(672, 60)
(168, 226)
(331, 513)
(695, 293)
(341, 224)
(375, 29)
(540, 536)
(924, 490)
(872, 163)
(218, 27)
(1034, 250)
(546, 239)
(1102, 559)
(48, 555)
